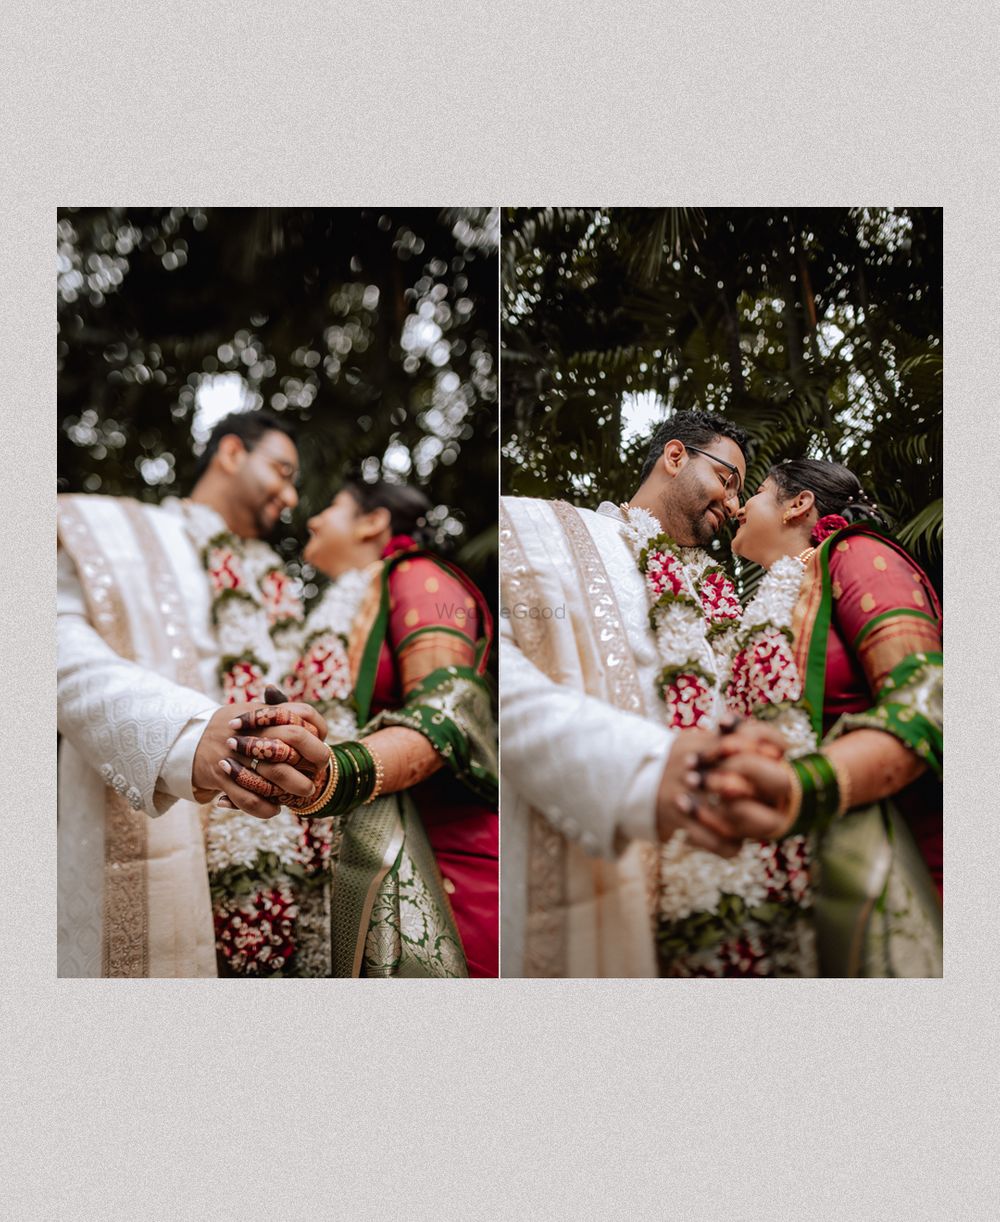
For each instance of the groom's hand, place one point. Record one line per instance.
(209, 778)
(676, 805)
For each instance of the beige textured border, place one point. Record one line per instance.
(879, 1096)
(545, 927)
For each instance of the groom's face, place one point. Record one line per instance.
(696, 503)
(265, 481)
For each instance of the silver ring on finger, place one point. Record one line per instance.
(253, 764)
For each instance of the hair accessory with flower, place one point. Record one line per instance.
(398, 543)
(826, 527)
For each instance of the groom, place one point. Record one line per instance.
(141, 711)
(592, 777)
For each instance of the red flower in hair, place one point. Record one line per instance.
(826, 527)
(398, 543)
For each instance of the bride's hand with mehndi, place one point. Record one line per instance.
(747, 795)
(278, 750)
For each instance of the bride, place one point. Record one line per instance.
(840, 650)
(389, 866)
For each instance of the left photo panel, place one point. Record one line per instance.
(277, 585)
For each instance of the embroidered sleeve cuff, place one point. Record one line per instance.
(174, 781)
(638, 821)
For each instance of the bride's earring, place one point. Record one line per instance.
(784, 520)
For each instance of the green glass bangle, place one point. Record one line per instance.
(357, 777)
(820, 793)
(367, 787)
(363, 770)
(356, 769)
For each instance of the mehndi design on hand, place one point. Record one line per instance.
(264, 716)
(272, 750)
(246, 778)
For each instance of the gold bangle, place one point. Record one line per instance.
(328, 789)
(794, 796)
(843, 785)
(379, 774)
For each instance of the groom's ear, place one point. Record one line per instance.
(673, 457)
(230, 452)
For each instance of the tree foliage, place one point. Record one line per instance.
(817, 330)
(374, 330)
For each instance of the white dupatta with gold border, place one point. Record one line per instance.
(133, 890)
(584, 742)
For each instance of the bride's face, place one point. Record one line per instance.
(333, 536)
(761, 533)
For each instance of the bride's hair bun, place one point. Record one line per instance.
(862, 507)
(836, 488)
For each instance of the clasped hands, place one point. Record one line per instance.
(723, 788)
(261, 757)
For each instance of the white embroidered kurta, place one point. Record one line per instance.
(136, 683)
(584, 743)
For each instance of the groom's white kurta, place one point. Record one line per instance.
(136, 681)
(584, 742)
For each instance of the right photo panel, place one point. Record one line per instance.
(721, 538)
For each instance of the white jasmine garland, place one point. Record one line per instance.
(681, 624)
(256, 607)
(768, 620)
(257, 613)
(694, 880)
(322, 653)
(234, 838)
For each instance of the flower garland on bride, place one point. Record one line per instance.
(268, 877)
(741, 916)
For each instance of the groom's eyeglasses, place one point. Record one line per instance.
(732, 483)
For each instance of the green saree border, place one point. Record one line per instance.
(447, 738)
(814, 687)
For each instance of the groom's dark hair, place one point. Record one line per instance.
(249, 427)
(692, 428)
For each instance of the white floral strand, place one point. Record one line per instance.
(681, 630)
(693, 880)
(233, 838)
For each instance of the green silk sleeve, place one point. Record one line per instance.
(452, 709)
(910, 706)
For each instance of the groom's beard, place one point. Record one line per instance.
(690, 520)
(706, 527)
(267, 518)
(267, 523)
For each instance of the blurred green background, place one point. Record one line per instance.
(819, 330)
(374, 330)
